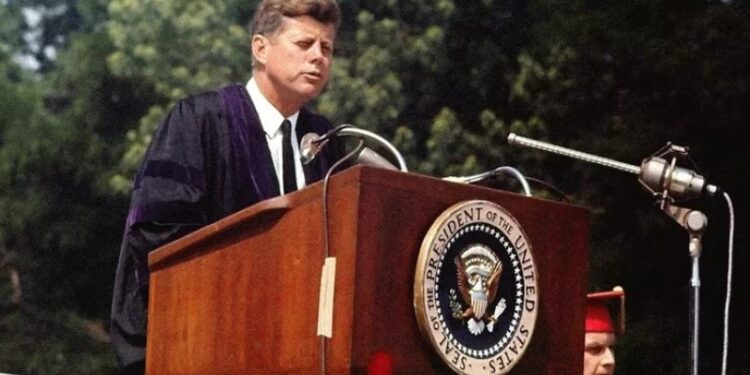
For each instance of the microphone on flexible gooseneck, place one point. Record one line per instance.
(312, 143)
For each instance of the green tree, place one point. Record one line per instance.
(41, 252)
(635, 75)
(445, 81)
(60, 138)
(178, 48)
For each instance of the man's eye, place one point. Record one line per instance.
(595, 349)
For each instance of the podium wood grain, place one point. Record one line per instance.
(240, 296)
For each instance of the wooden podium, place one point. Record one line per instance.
(240, 296)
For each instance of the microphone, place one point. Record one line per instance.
(660, 175)
(312, 143)
(370, 157)
(309, 147)
(481, 176)
(655, 173)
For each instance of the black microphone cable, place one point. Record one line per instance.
(326, 231)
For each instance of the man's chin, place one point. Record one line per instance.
(309, 93)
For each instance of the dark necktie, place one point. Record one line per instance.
(290, 177)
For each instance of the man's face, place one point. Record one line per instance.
(599, 354)
(297, 59)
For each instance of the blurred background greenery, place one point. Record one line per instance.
(83, 84)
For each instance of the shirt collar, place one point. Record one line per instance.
(270, 117)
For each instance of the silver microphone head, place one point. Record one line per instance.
(370, 157)
(309, 147)
(660, 175)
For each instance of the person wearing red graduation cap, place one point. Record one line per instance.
(599, 344)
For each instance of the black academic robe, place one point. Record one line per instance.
(208, 159)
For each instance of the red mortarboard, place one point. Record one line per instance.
(598, 318)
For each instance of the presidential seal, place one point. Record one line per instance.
(475, 288)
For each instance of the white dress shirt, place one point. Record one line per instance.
(271, 119)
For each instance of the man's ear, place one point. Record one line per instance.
(259, 45)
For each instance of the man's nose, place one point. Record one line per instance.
(609, 357)
(316, 52)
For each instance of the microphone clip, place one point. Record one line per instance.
(312, 143)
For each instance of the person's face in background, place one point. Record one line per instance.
(599, 354)
(295, 61)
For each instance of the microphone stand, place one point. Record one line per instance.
(694, 221)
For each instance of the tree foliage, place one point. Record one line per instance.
(166, 45)
(445, 81)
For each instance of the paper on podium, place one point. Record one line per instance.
(325, 304)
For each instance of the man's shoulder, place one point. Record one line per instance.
(207, 108)
(209, 99)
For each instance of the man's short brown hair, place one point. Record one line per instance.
(269, 13)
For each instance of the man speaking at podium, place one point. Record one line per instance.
(221, 151)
